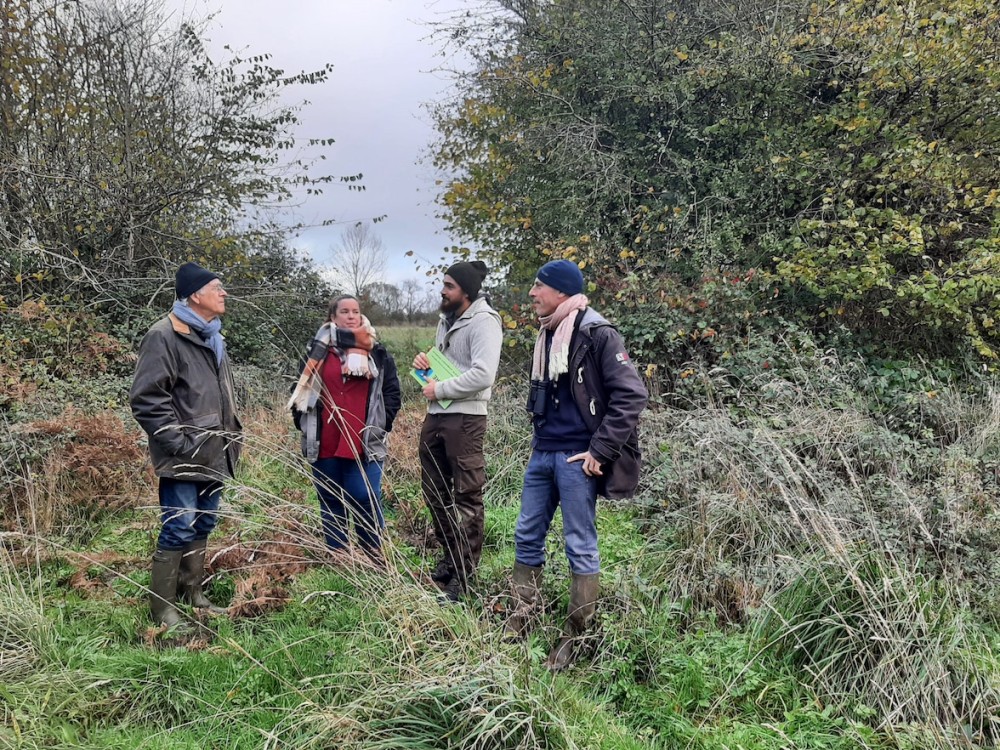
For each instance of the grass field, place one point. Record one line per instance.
(769, 588)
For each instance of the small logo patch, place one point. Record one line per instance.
(622, 357)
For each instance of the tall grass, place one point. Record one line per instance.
(440, 682)
(798, 571)
(842, 543)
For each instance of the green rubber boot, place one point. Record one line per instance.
(582, 607)
(526, 582)
(163, 588)
(191, 576)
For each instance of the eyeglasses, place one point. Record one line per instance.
(217, 288)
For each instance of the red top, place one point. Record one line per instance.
(345, 402)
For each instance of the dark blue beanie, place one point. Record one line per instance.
(190, 278)
(562, 275)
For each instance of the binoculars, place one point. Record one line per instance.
(538, 396)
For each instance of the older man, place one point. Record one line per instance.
(453, 468)
(585, 401)
(183, 397)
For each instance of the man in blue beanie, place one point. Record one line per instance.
(183, 397)
(585, 400)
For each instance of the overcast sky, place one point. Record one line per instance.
(385, 69)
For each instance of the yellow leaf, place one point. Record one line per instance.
(681, 54)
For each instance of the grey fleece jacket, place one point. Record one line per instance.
(473, 342)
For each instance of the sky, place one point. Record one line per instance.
(386, 68)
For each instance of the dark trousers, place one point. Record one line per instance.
(452, 473)
(349, 489)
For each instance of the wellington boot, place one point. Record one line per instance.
(453, 591)
(163, 588)
(582, 607)
(190, 578)
(442, 572)
(526, 582)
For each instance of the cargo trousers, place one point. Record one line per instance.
(453, 472)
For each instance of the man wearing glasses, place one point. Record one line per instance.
(183, 397)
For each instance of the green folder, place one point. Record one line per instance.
(441, 368)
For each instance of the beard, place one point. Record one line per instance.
(448, 307)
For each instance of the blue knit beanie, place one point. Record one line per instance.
(562, 275)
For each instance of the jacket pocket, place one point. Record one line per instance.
(203, 439)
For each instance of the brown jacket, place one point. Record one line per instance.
(186, 404)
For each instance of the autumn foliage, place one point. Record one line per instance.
(844, 153)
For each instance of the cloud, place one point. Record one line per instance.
(372, 105)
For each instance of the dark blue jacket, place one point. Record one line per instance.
(610, 395)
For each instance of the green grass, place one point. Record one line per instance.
(774, 655)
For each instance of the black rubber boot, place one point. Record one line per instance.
(582, 607)
(163, 588)
(451, 592)
(526, 583)
(191, 575)
(442, 573)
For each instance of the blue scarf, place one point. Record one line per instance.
(209, 332)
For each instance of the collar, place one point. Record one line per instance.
(179, 325)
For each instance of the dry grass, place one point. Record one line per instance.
(71, 470)
(846, 547)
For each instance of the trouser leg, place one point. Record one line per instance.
(327, 476)
(436, 481)
(457, 443)
(539, 500)
(363, 493)
(188, 511)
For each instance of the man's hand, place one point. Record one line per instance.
(428, 390)
(420, 362)
(591, 466)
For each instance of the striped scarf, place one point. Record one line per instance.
(353, 346)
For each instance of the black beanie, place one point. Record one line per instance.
(190, 278)
(469, 275)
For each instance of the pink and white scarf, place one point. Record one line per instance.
(562, 320)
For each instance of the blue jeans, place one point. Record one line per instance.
(551, 482)
(347, 488)
(189, 511)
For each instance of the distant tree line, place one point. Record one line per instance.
(358, 267)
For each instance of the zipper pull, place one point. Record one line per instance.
(593, 408)
(579, 375)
